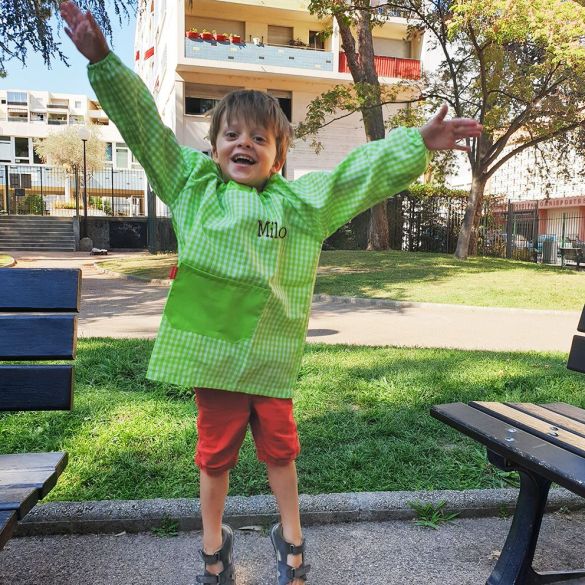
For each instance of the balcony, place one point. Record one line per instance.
(389, 66)
(261, 54)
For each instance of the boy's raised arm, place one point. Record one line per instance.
(129, 104)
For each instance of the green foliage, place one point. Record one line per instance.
(432, 515)
(30, 204)
(27, 26)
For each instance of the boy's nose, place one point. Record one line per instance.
(245, 140)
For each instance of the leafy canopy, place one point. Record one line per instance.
(27, 25)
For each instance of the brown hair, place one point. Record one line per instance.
(257, 108)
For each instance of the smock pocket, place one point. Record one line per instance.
(214, 306)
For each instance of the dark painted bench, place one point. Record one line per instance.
(36, 323)
(544, 443)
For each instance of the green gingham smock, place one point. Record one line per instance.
(237, 313)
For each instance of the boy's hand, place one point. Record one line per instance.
(441, 134)
(84, 31)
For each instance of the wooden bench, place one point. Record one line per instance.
(573, 255)
(544, 444)
(27, 335)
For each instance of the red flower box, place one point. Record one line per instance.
(193, 35)
(236, 39)
(207, 36)
(221, 38)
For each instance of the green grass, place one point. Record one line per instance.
(416, 276)
(5, 260)
(362, 415)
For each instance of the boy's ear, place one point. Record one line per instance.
(214, 153)
(278, 164)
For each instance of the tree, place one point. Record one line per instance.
(27, 26)
(366, 94)
(516, 65)
(65, 149)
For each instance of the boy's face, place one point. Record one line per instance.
(246, 155)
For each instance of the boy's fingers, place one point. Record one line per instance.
(442, 113)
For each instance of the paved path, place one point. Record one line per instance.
(115, 307)
(373, 553)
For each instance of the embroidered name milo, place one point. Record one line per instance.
(271, 229)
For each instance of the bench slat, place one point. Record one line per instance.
(38, 337)
(551, 417)
(569, 410)
(51, 460)
(581, 326)
(7, 525)
(21, 500)
(534, 425)
(38, 471)
(528, 451)
(576, 361)
(36, 388)
(40, 289)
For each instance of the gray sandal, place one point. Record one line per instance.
(225, 555)
(286, 573)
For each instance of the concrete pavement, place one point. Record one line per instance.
(373, 553)
(380, 546)
(116, 307)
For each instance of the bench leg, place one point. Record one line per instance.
(514, 567)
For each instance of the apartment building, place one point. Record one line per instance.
(26, 115)
(270, 45)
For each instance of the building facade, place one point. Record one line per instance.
(270, 45)
(29, 115)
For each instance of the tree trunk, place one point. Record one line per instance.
(468, 229)
(378, 232)
(363, 71)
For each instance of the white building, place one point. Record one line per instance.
(26, 115)
(278, 49)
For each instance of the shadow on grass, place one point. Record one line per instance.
(358, 273)
(363, 419)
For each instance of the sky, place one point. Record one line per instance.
(60, 78)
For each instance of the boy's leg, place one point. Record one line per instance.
(284, 485)
(212, 494)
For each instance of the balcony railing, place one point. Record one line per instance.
(261, 54)
(388, 66)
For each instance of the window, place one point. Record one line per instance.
(37, 117)
(5, 149)
(316, 40)
(21, 150)
(199, 106)
(279, 35)
(37, 160)
(17, 116)
(17, 98)
(200, 98)
(73, 119)
(77, 105)
(109, 152)
(122, 156)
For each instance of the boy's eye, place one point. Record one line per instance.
(230, 134)
(260, 139)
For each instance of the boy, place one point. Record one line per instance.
(249, 241)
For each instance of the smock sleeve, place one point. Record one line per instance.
(368, 175)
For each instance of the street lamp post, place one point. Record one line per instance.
(84, 135)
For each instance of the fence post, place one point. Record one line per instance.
(151, 224)
(535, 234)
(6, 189)
(509, 230)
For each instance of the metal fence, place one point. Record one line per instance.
(44, 190)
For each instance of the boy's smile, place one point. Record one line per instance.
(246, 155)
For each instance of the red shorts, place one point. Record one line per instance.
(222, 422)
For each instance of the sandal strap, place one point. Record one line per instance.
(212, 558)
(208, 579)
(298, 573)
(293, 549)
